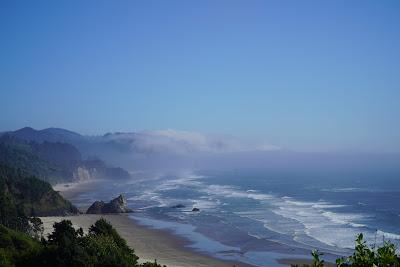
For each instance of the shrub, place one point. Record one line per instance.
(68, 247)
(363, 256)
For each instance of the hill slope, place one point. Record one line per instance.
(23, 195)
(53, 162)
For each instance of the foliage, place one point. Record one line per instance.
(63, 247)
(104, 242)
(151, 264)
(53, 162)
(67, 246)
(36, 227)
(29, 157)
(17, 249)
(23, 196)
(363, 256)
(102, 250)
(102, 227)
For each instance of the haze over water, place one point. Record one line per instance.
(257, 216)
(278, 120)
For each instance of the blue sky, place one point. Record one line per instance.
(303, 75)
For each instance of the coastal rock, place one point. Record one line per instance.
(96, 208)
(195, 209)
(179, 206)
(117, 205)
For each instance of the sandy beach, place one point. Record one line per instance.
(149, 244)
(74, 189)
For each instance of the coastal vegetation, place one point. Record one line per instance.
(24, 155)
(23, 197)
(67, 246)
(26, 170)
(363, 256)
(54, 162)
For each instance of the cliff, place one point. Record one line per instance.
(23, 195)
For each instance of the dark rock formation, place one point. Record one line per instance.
(117, 205)
(96, 208)
(179, 206)
(195, 209)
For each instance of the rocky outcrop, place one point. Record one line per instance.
(117, 205)
(82, 174)
(96, 208)
(195, 209)
(178, 206)
(97, 169)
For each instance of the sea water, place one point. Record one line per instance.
(258, 217)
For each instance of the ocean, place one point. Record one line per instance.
(258, 217)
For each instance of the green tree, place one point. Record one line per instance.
(102, 227)
(363, 256)
(68, 247)
(103, 251)
(36, 227)
(152, 264)
(17, 248)
(64, 247)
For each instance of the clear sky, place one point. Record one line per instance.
(307, 75)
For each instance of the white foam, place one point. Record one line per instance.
(176, 183)
(346, 189)
(318, 221)
(326, 205)
(391, 236)
(304, 221)
(344, 218)
(232, 192)
(352, 189)
(153, 194)
(205, 204)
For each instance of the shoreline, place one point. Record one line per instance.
(152, 243)
(149, 244)
(72, 190)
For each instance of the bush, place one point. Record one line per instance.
(67, 247)
(17, 249)
(64, 247)
(363, 256)
(102, 227)
(103, 251)
(151, 264)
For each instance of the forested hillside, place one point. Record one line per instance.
(54, 162)
(23, 195)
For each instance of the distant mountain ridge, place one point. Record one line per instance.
(158, 151)
(48, 134)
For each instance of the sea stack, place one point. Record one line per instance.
(117, 205)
